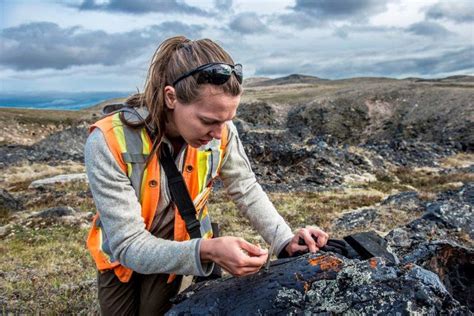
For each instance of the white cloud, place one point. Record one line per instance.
(247, 23)
(460, 11)
(429, 29)
(322, 38)
(46, 45)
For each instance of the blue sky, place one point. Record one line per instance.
(106, 45)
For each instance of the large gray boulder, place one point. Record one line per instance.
(59, 179)
(326, 284)
(433, 276)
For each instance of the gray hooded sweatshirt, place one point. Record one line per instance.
(140, 250)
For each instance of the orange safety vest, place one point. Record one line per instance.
(131, 146)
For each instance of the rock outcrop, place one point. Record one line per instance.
(67, 144)
(8, 203)
(433, 276)
(323, 284)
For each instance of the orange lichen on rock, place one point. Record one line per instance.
(307, 286)
(409, 265)
(373, 263)
(327, 262)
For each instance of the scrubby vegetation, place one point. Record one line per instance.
(313, 178)
(46, 267)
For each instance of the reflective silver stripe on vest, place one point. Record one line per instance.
(135, 157)
(138, 158)
(215, 158)
(206, 226)
(210, 167)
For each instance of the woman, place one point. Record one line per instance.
(139, 239)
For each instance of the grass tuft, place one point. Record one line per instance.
(45, 270)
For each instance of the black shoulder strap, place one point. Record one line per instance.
(179, 193)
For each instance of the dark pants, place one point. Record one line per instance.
(144, 294)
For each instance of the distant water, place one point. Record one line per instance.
(57, 100)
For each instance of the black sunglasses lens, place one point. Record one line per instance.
(238, 72)
(215, 74)
(219, 74)
(212, 76)
(238, 69)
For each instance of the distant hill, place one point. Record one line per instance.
(353, 110)
(254, 80)
(291, 79)
(450, 79)
(305, 79)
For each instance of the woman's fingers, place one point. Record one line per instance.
(238, 256)
(308, 234)
(294, 245)
(321, 236)
(256, 256)
(252, 250)
(305, 233)
(241, 271)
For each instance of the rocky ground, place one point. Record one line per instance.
(432, 272)
(347, 155)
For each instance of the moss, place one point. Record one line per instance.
(39, 266)
(4, 215)
(298, 209)
(386, 187)
(428, 180)
(49, 268)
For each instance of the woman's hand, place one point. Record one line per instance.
(235, 255)
(306, 234)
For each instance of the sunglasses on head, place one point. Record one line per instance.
(214, 73)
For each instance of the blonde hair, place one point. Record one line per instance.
(174, 57)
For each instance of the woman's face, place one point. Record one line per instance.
(202, 120)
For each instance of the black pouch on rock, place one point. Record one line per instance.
(333, 245)
(360, 246)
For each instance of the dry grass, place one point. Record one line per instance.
(461, 160)
(431, 180)
(35, 116)
(46, 271)
(298, 209)
(387, 187)
(16, 178)
(288, 94)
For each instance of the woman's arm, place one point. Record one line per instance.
(241, 184)
(120, 214)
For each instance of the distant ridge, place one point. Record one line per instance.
(291, 79)
(456, 78)
(305, 79)
(254, 80)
